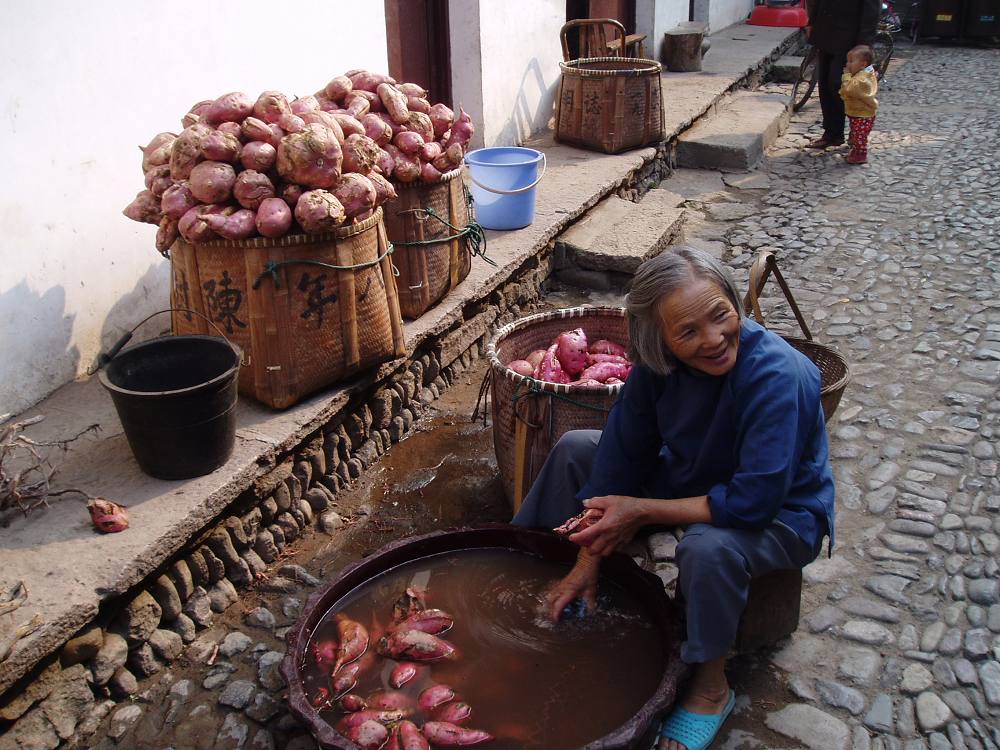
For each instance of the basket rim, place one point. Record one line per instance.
(294, 240)
(445, 177)
(840, 382)
(650, 66)
(583, 311)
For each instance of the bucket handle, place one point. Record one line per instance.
(109, 355)
(498, 191)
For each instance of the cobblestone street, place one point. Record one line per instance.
(897, 264)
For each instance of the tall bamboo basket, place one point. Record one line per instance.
(609, 104)
(309, 310)
(530, 415)
(434, 236)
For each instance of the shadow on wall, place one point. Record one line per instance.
(525, 119)
(35, 337)
(150, 294)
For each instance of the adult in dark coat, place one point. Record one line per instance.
(835, 27)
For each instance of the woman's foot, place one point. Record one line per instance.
(708, 695)
(855, 159)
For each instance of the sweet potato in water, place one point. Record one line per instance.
(319, 211)
(356, 194)
(212, 181)
(274, 218)
(270, 106)
(251, 188)
(311, 158)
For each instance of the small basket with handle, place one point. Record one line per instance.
(834, 372)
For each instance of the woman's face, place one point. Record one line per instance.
(700, 326)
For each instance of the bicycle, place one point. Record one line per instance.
(882, 45)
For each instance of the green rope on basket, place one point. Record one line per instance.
(472, 230)
(535, 387)
(271, 267)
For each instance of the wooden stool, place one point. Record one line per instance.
(635, 44)
(682, 47)
(772, 611)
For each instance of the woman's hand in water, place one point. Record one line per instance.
(580, 582)
(623, 517)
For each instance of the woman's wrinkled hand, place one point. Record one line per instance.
(580, 582)
(623, 517)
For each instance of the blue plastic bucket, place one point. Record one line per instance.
(503, 185)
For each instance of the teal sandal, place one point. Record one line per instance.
(695, 731)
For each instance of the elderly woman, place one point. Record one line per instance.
(718, 430)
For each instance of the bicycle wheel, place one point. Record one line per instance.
(882, 45)
(805, 82)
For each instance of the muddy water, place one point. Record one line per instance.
(532, 684)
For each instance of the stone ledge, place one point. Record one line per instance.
(71, 571)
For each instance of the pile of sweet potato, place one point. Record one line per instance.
(571, 360)
(273, 166)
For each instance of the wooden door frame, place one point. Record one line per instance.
(436, 53)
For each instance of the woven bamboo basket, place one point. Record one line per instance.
(309, 310)
(609, 104)
(433, 234)
(834, 371)
(530, 415)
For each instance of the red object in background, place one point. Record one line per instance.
(791, 13)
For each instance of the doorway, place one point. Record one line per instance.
(418, 45)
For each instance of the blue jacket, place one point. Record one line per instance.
(753, 440)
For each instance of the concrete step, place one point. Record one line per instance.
(786, 69)
(617, 235)
(734, 136)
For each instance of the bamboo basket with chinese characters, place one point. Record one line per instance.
(309, 310)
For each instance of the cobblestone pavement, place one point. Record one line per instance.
(897, 263)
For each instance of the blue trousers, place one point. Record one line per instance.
(715, 564)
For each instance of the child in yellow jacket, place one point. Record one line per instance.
(858, 87)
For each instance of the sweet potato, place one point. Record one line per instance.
(430, 151)
(185, 151)
(593, 359)
(405, 168)
(535, 357)
(221, 146)
(377, 129)
(270, 106)
(356, 194)
(550, 369)
(360, 154)
(461, 131)
(303, 104)
(291, 193)
(274, 218)
(232, 107)
(455, 153)
(603, 346)
(254, 129)
(338, 88)
(418, 122)
(442, 163)
(196, 113)
(413, 89)
(604, 370)
(521, 367)
(251, 189)
(319, 117)
(193, 225)
(291, 123)
(429, 173)
(145, 207)
(394, 102)
(158, 180)
(311, 158)
(408, 142)
(441, 118)
(418, 104)
(177, 200)
(356, 105)
(234, 129)
(156, 153)
(319, 211)
(384, 190)
(349, 124)
(166, 234)
(367, 81)
(571, 348)
(385, 162)
(237, 226)
(212, 181)
(258, 156)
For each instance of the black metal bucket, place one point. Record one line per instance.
(176, 398)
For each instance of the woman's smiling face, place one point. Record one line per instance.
(700, 326)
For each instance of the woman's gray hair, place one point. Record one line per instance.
(657, 277)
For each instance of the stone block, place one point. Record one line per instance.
(82, 647)
(138, 619)
(47, 680)
(112, 655)
(165, 594)
(736, 135)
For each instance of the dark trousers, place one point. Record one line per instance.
(829, 68)
(715, 564)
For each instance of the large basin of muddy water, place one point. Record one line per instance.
(595, 681)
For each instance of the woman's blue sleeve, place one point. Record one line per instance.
(777, 413)
(630, 442)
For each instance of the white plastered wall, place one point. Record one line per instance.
(83, 84)
(505, 65)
